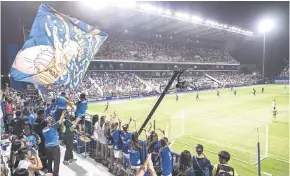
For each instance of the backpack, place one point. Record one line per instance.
(9, 108)
(223, 170)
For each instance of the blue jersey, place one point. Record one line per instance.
(31, 119)
(31, 141)
(166, 161)
(52, 109)
(61, 102)
(51, 135)
(136, 157)
(117, 143)
(81, 108)
(109, 138)
(126, 138)
(155, 154)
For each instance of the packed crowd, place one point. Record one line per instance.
(231, 78)
(35, 132)
(118, 83)
(142, 51)
(285, 72)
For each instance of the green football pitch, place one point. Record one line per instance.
(228, 122)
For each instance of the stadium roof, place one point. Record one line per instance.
(140, 19)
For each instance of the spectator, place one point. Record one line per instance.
(23, 161)
(184, 167)
(223, 169)
(52, 145)
(136, 153)
(32, 116)
(201, 164)
(165, 157)
(81, 109)
(9, 114)
(102, 139)
(38, 126)
(68, 128)
(17, 124)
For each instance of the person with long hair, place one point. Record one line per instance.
(23, 160)
(136, 152)
(201, 164)
(184, 167)
(15, 146)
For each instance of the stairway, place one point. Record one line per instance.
(213, 79)
(149, 86)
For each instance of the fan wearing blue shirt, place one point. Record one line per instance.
(32, 116)
(117, 147)
(81, 109)
(136, 152)
(126, 137)
(52, 145)
(165, 157)
(62, 103)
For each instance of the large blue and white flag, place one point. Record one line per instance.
(58, 50)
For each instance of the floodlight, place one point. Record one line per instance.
(266, 25)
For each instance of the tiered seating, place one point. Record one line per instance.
(231, 78)
(118, 83)
(136, 50)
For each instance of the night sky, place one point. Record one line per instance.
(241, 14)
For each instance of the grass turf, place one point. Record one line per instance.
(215, 121)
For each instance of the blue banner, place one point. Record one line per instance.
(58, 50)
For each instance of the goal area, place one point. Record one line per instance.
(237, 135)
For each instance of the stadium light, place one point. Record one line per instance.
(266, 25)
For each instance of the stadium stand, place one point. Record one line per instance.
(143, 51)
